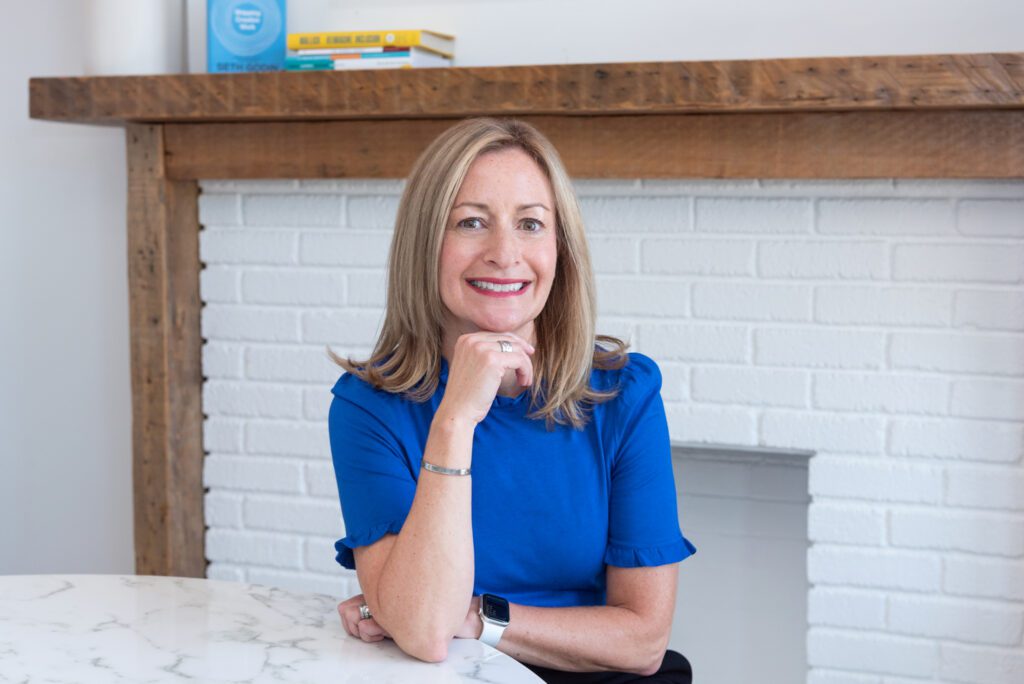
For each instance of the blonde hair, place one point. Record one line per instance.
(407, 356)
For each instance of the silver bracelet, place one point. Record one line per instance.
(444, 471)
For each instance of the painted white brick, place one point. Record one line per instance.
(978, 398)
(958, 619)
(694, 342)
(292, 210)
(873, 568)
(263, 186)
(714, 425)
(373, 212)
(986, 577)
(320, 554)
(851, 434)
(287, 438)
(222, 434)
(889, 216)
(320, 480)
(846, 608)
(354, 186)
(614, 255)
(221, 509)
(948, 530)
(220, 284)
(839, 523)
(292, 514)
(251, 399)
(250, 473)
(299, 287)
(821, 676)
(220, 210)
(698, 257)
(753, 215)
(978, 665)
(292, 364)
(225, 573)
(636, 215)
(958, 188)
(991, 218)
(611, 186)
(995, 487)
(647, 297)
(817, 259)
(963, 262)
(755, 386)
(368, 289)
(344, 249)
(889, 393)
(350, 327)
(316, 403)
(223, 360)
(339, 587)
(874, 480)
(622, 328)
(694, 186)
(248, 247)
(817, 348)
(258, 548)
(871, 652)
(889, 306)
(675, 379)
(758, 302)
(971, 440)
(825, 187)
(253, 324)
(961, 353)
(989, 309)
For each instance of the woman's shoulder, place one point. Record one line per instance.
(638, 376)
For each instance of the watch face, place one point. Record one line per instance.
(494, 608)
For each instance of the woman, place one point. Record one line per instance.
(504, 473)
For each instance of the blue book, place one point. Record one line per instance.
(245, 35)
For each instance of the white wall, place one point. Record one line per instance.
(65, 429)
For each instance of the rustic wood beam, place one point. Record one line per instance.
(164, 306)
(919, 82)
(947, 144)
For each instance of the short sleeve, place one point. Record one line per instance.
(375, 481)
(643, 517)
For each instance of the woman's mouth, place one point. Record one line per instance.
(499, 288)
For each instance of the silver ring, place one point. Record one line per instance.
(505, 345)
(364, 612)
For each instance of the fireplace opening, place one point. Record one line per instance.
(741, 608)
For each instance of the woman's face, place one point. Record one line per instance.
(499, 249)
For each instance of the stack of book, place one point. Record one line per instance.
(344, 50)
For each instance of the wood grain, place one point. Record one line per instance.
(966, 81)
(164, 307)
(953, 144)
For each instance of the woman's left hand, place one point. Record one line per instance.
(367, 630)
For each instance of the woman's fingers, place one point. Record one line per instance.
(348, 611)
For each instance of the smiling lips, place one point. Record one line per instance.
(498, 287)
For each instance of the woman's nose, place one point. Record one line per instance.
(502, 248)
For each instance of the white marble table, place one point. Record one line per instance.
(109, 628)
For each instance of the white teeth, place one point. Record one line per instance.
(494, 287)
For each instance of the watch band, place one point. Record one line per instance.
(492, 633)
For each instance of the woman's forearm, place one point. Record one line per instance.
(584, 639)
(426, 584)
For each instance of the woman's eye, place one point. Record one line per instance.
(532, 225)
(469, 223)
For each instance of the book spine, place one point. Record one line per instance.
(353, 39)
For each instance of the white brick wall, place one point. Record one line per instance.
(878, 323)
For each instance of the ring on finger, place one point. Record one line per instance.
(505, 345)
(364, 612)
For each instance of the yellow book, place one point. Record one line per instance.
(442, 43)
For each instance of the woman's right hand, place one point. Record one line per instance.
(479, 368)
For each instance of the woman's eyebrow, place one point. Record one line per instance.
(480, 205)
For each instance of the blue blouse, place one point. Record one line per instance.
(550, 508)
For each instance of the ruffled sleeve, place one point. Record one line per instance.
(375, 480)
(643, 518)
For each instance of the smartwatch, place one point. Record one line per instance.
(494, 613)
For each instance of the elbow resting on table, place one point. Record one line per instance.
(428, 649)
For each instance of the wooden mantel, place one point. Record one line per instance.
(931, 116)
